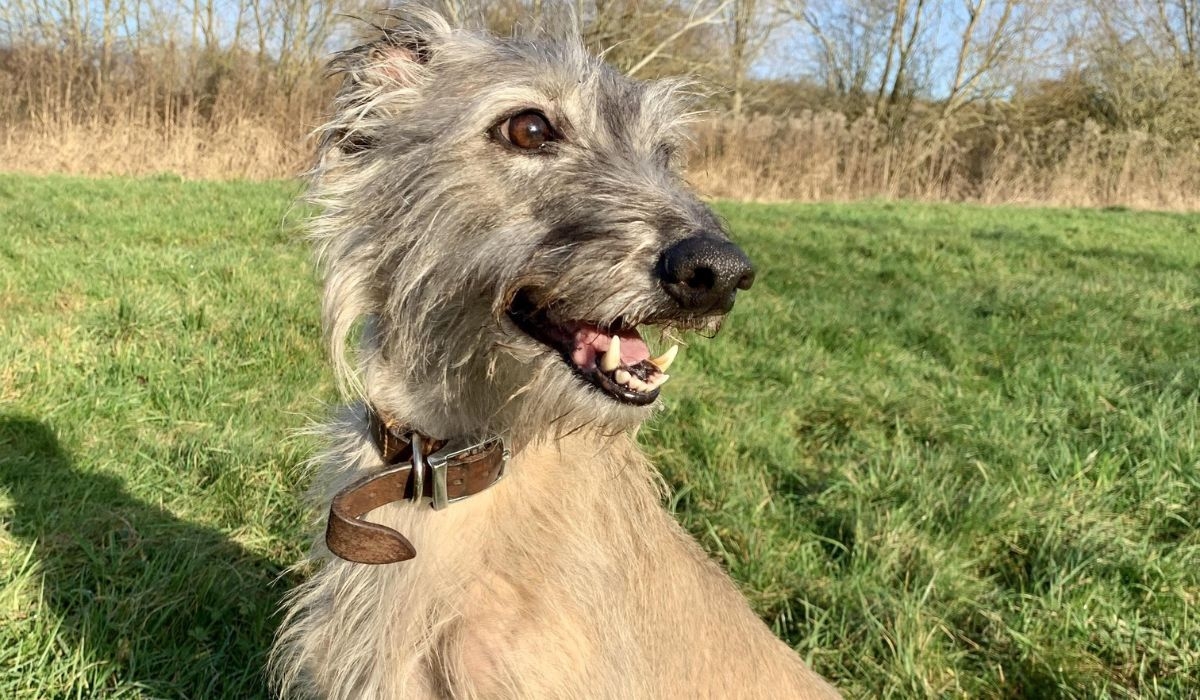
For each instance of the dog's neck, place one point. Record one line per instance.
(411, 466)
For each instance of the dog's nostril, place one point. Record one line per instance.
(701, 278)
(703, 272)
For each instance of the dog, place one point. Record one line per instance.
(496, 220)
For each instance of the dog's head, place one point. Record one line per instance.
(509, 214)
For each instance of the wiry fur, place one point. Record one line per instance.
(567, 579)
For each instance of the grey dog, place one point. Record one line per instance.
(498, 217)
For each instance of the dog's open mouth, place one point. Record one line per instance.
(614, 359)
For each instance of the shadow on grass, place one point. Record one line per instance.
(171, 607)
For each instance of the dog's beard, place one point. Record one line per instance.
(538, 396)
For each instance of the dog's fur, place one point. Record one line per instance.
(568, 579)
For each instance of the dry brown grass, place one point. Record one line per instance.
(816, 156)
(824, 156)
(164, 109)
(234, 150)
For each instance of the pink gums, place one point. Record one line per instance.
(591, 342)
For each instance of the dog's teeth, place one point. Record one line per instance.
(664, 361)
(612, 357)
(657, 382)
(638, 385)
(622, 376)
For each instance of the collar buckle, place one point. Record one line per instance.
(436, 465)
(415, 467)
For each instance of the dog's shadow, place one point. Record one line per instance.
(141, 598)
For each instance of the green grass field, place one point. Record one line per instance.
(945, 450)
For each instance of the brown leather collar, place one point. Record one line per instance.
(411, 474)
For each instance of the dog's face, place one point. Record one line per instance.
(509, 213)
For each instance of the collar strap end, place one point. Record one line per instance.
(416, 468)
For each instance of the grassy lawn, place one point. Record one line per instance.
(946, 450)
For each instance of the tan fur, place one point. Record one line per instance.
(568, 579)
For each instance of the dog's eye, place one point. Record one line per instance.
(529, 131)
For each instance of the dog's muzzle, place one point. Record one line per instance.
(418, 468)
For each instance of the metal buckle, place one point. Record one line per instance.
(418, 468)
(438, 462)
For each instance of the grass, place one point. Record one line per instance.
(945, 450)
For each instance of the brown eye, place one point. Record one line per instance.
(528, 131)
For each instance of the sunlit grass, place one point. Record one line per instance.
(944, 450)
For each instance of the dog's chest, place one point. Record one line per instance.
(554, 638)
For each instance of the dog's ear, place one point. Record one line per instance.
(381, 75)
(395, 60)
(406, 41)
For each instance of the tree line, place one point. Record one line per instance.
(967, 74)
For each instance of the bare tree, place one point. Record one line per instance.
(748, 26)
(868, 47)
(849, 38)
(699, 14)
(995, 39)
(1168, 29)
(1142, 65)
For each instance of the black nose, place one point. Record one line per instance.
(703, 273)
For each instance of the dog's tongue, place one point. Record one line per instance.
(591, 342)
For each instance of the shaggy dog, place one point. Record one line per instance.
(498, 217)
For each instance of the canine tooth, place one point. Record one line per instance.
(622, 376)
(612, 357)
(658, 381)
(662, 362)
